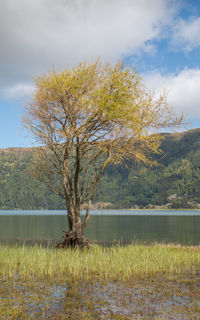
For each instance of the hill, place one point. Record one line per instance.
(18, 188)
(174, 183)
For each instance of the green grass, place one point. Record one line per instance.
(112, 264)
(38, 283)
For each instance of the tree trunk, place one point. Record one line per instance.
(74, 238)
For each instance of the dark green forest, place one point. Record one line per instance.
(174, 183)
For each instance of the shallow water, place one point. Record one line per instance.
(156, 298)
(150, 299)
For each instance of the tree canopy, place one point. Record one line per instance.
(88, 117)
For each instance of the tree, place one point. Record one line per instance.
(86, 118)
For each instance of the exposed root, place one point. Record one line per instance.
(72, 239)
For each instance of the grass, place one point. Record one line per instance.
(147, 282)
(111, 264)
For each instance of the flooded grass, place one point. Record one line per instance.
(111, 264)
(145, 299)
(132, 282)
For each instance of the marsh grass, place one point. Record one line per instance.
(149, 282)
(98, 263)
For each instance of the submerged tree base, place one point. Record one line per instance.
(74, 239)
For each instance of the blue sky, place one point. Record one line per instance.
(160, 37)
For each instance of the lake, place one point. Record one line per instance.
(105, 226)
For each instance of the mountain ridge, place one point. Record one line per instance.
(178, 174)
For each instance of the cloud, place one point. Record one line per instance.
(38, 34)
(187, 34)
(19, 91)
(182, 88)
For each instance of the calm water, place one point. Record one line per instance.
(120, 225)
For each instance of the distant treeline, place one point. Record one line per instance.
(174, 183)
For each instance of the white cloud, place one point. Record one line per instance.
(187, 34)
(18, 91)
(38, 34)
(182, 88)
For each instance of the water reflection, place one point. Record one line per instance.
(104, 228)
(144, 299)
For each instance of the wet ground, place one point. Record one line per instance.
(145, 299)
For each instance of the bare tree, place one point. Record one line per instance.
(86, 118)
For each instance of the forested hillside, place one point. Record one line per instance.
(175, 182)
(18, 188)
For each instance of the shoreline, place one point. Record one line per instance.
(109, 209)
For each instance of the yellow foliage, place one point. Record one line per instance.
(103, 104)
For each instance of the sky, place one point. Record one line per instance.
(161, 38)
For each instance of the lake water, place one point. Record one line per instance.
(104, 226)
